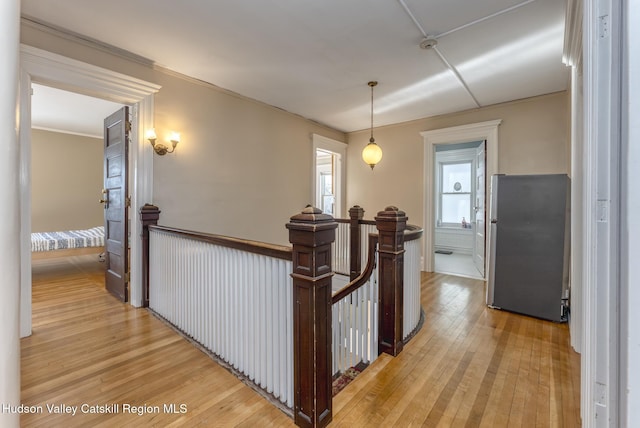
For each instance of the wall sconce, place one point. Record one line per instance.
(160, 148)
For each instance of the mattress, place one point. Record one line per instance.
(50, 241)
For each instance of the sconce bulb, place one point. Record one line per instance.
(161, 148)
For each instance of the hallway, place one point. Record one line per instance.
(468, 366)
(456, 264)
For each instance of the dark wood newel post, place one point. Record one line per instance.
(391, 224)
(311, 234)
(149, 214)
(356, 213)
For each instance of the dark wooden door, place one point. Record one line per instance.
(115, 199)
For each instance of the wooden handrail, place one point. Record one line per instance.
(412, 232)
(256, 247)
(346, 220)
(364, 276)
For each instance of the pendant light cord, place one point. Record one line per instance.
(372, 84)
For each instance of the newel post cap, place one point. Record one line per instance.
(311, 215)
(391, 219)
(149, 207)
(392, 213)
(356, 211)
(311, 221)
(149, 212)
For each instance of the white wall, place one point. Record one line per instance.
(534, 139)
(66, 181)
(9, 214)
(460, 241)
(221, 177)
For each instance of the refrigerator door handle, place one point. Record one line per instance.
(491, 275)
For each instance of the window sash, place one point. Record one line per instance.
(455, 221)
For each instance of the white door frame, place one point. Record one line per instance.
(481, 156)
(487, 131)
(44, 67)
(603, 392)
(328, 144)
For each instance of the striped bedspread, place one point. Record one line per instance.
(49, 241)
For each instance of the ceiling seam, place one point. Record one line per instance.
(440, 54)
(493, 15)
(412, 16)
(457, 74)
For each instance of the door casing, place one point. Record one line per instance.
(480, 211)
(37, 65)
(339, 148)
(487, 131)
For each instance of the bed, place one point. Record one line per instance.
(66, 240)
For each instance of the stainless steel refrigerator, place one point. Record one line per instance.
(529, 245)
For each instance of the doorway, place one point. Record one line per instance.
(459, 217)
(487, 131)
(326, 181)
(328, 175)
(67, 153)
(56, 70)
(69, 159)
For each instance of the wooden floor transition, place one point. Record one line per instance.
(469, 366)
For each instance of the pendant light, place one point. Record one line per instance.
(372, 153)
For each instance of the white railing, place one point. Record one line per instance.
(235, 303)
(340, 249)
(355, 317)
(355, 327)
(411, 290)
(365, 230)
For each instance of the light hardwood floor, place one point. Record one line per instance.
(468, 366)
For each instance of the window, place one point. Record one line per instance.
(455, 185)
(455, 193)
(327, 193)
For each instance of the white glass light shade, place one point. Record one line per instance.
(151, 134)
(372, 154)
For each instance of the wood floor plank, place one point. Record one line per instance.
(411, 369)
(469, 366)
(87, 348)
(511, 366)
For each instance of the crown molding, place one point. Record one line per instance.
(572, 51)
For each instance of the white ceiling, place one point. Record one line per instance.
(314, 58)
(61, 111)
